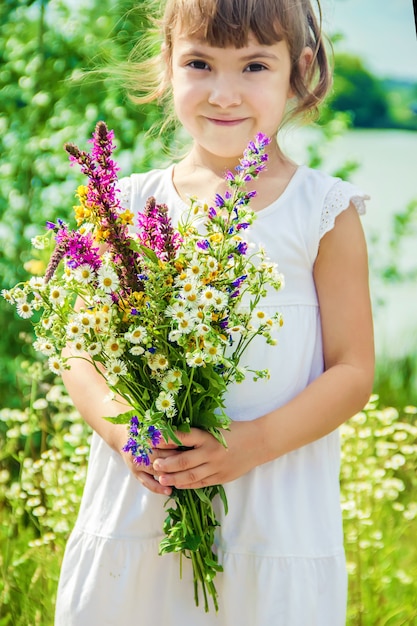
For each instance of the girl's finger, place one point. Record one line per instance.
(151, 482)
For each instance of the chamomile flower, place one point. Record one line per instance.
(86, 320)
(56, 365)
(157, 361)
(195, 359)
(186, 324)
(212, 297)
(115, 369)
(77, 346)
(114, 347)
(47, 322)
(24, 309)
(84, 274)
(37, 283)
(107, 279)
(44, 346)
(94, 348)
(177, 310)
(213, 351)
(136, 350)
(165, 402)
(136, 335)
(172, 381)
(7, 295)
(57, 295)
(74, 329)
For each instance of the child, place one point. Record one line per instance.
(236, 68)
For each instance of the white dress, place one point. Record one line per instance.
(281, 544)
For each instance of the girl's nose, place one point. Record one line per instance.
(224, 92)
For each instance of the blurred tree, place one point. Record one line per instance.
(358, 92)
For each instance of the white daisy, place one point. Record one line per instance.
(165, 402)
(211, 264)
(55, 365)
(114, 347)
(44, 346)
(207, 296)
(77, 346)
(94, 348)
(7, 295)
(46, 322)
(158, 361)
(213, 351)
(37, 283)
(24, 309)
(74, 329)
(137, 350)
(172, 381)
(174, 336)
(195, 359)
(107, 279)
(116, 368)
(86, 320)
(57, 295)
(136, 335)
(84, 274)
(177, 310)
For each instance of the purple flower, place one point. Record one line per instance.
(141, 441)
(242, 247)
(203, 244)
(156, 231)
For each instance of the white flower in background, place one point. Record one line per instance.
(46, 322)
(137, 350)
(107, 279)
(7, 295)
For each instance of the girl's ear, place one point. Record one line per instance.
(305, 60)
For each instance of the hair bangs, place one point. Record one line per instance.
(225, 23)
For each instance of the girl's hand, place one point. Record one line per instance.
(146, 474)
(209, 462)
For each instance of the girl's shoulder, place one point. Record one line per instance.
(326, 196)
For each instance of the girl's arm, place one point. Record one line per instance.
(90, 395)
(341, 277)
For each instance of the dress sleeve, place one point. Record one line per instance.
(338, 198)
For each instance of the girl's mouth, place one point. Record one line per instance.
(226, 121)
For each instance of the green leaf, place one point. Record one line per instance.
(123, 418)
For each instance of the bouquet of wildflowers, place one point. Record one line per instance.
(166, 314)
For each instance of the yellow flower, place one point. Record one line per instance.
(35, 267)
(127, 217)
(216, 237)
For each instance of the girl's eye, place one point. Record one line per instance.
(255, 67)
(198, 65)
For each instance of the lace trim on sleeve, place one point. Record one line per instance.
(125, 192)
(337, 200)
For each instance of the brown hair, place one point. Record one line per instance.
(225, 23)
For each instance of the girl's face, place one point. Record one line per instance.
(224, 96)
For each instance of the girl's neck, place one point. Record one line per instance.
(203, 175)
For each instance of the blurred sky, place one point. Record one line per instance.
(382, 32)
